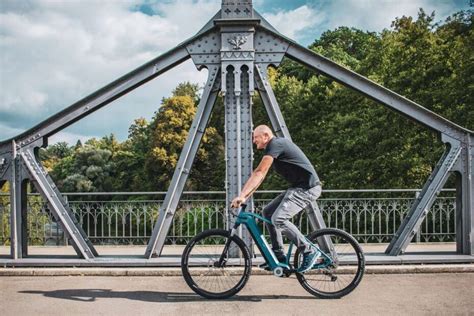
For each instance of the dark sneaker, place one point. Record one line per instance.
(309, 259)
(264, 266)
(281, 258)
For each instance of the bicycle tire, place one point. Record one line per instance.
(324, 282)
(199, 259)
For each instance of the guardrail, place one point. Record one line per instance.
(118, 218)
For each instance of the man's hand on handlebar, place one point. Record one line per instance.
(236, 202)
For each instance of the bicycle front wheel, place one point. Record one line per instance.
(209, 276)
(341, 275)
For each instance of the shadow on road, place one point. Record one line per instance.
(90, 295)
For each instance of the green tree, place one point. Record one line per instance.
(130, 160)
(88, 169)
(51, 155)
(187, 89)
(169, 130)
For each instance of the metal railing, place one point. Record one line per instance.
(118, 218)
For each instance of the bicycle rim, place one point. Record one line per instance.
(339, 278)
(201, 269)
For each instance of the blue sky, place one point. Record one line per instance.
(53, 53)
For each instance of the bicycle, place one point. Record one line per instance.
(216, 263)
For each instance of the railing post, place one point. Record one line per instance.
(418, 233)
(65, 236)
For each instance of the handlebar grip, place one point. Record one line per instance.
(243, 207)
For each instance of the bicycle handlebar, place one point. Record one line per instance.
(242, 208)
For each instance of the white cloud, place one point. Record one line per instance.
(189, 15)
(376, 15)
(294, 22)
(70, 138)
(54, 53)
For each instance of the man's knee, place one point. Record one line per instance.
(267, 212)
(278, 221)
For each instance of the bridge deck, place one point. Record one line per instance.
(127, 256)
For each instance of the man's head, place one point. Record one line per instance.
(262, 135)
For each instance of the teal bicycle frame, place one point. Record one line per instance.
(249, 220)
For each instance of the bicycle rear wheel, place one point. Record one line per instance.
(202, 270)
(341, 276)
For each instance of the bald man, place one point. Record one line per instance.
(290, 162)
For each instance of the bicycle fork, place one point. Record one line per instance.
(222, 260)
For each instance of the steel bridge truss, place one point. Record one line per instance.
(236, 46)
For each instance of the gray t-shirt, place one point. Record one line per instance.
(291, 163)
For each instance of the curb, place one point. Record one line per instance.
(164, 272)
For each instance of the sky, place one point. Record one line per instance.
(55, 52)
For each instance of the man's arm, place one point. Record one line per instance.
(252, 184)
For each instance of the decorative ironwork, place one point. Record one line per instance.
(237, 41)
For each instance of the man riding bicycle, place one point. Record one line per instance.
(290, 162)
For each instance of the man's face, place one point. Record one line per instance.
(260, 139)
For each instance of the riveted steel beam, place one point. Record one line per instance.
(18, 207)
(57, 204)
(270, 102)
(237, 55)
(464, 170)
(183, 168)
(423, 202)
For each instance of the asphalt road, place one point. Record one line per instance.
(381, 294)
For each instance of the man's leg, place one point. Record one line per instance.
(275, 234)
(293, 202)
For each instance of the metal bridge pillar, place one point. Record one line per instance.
(464, 171)
(18, 204)
(237, 64)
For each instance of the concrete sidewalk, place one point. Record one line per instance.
(377, 294)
